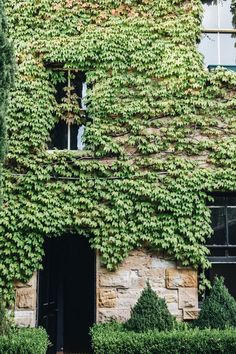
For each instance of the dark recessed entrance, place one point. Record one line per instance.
(66, 304)
(228, 271)
(222, 244)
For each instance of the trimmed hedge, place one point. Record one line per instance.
(109, 339)
(25, 341)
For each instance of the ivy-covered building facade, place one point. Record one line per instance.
(121, 159)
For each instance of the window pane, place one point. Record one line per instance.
(210, 18)
(227, 49)
(80, 138)
(79, 84)
(232, 251)
(84, 92)
(217, 252)
(226, 15)
(77, 133)
(61, 84)
(209, 48)
(219, 200)
(218, 225)
(231, 201)
(232, 225)
(217, 14)
(73, 136)
(70, 86)
(59, 136)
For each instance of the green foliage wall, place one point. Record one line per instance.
(6, 75)
(162, 132)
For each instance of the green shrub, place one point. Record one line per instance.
(149, 313)
(5, 323)
(24, 341)
(218, 309)
(195, 341)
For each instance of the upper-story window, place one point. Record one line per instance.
(71, 88)
(222, 244)
(218, 44)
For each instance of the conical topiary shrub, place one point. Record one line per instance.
(149, 313)
(218, 309)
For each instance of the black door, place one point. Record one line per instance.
(67, 293)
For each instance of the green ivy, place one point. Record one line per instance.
(6, 76)
(162, 133)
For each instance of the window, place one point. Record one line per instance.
(71, 88)
(218, 44)
(222, 244)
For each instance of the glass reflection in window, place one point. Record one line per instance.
(218, 44)
(219, 226)
(218, 14)
(232, 224)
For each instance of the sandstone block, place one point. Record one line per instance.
(137, 259)
(176, 278)
(31, 283)
(127, 298)
(25, 318)
(123, 278)
(119, 279)
(119, 315)
(190, 314)
(25, 298)
(173, 308)
(156, 277)
(107, 298)
(178, 314)
(159, 263)
(188, 297)
(171, 296)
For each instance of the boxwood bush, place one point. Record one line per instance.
(150, 313)
(110, 339)
(218, 309)
(24, 341)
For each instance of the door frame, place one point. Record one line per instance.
(60, 326)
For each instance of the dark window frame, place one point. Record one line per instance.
(226, 251)
(70, 130)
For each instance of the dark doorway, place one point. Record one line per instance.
(228, 271)
(66, 304)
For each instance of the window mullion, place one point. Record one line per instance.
(227, 227)
(68, 136)
(68, 123)
(218, 34)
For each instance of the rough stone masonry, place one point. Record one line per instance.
(118, 291)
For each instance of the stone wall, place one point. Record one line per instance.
(25, 303)
(118, 291)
